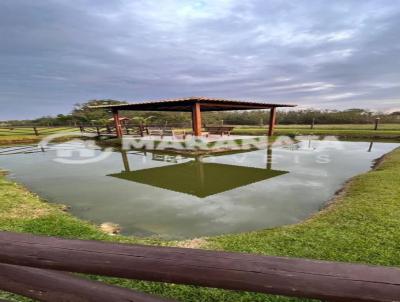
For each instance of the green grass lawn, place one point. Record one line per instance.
(27, 135)
(28, 131)
(362, 225)
(353, 131)
(337, 126)
(19, 139)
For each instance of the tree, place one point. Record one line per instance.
(85, 114)
(143, 120)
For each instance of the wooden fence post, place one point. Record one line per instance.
(376, 123)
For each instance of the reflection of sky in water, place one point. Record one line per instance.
(316, 170)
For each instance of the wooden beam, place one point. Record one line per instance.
(117, 123)
(196, 119)
(272, 120)
(186, 103)
(269, 156)
(219, 106)
(125, 160)
(52, 286)
(376, 123)
(331, 281)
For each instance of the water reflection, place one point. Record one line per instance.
(181, 197)
(197, 177)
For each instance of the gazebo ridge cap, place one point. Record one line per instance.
(194, 99)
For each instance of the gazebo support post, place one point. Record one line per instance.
(125, 160)
(269, 157)
(196, 119)
(272, 120)
(117, 123)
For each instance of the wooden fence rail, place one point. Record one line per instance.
(47, 285)
(331, 281)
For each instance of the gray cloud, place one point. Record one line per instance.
(337, 54)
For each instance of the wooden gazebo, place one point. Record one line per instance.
(195, 105)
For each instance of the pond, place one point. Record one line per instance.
(176, 197)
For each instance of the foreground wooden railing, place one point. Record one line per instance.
(330, 281)
(47, 285)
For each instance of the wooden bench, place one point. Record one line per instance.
(165, 131)
(220, 130)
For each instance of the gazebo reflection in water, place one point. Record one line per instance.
(195, 176)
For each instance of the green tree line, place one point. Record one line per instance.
(82, 114)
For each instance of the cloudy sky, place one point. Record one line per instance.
(320, 54)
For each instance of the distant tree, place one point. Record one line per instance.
(395, 115)
(83, 113)
(143, 120)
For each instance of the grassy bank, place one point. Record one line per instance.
(350, 132)
(19, 139)
(337, 126)
(27, 135)
(362, 225)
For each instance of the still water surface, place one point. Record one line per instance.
(174, 197)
